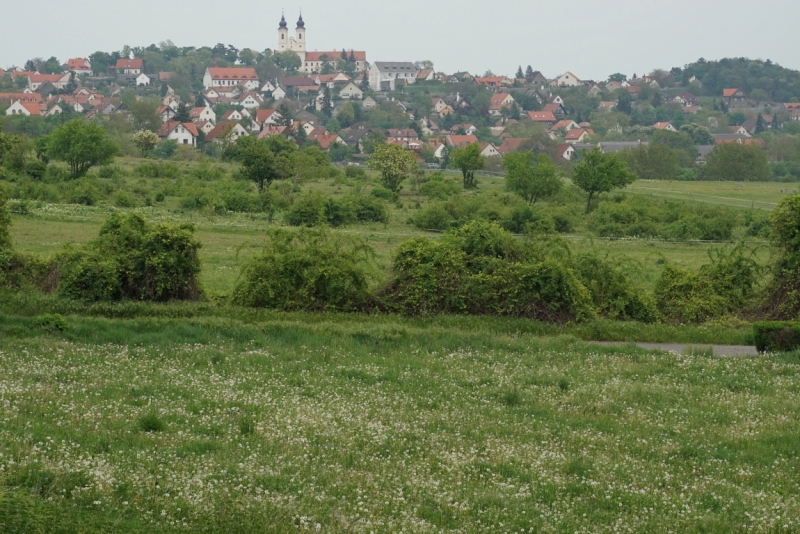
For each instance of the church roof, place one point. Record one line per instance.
(283, 24)
(300, 23)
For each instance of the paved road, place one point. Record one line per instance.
(721, 351)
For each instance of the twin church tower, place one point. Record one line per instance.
(313, 62)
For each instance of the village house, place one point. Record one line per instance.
(226, 131)
(456, 141)
(266, 117)
(59, 81)
(25, 98)
(565, 126)
(80, 66)
(545, 118)
(384, 76)
(468, 129)
(185, 133)
(499, 102)
(351, 92)
(205, 113)
(426, 75)
(24, 108)
(129, 66)
(734, 98)
(231, 77)
(566, 151)
(403, 134)
(249, 100)
(566, 80)
(167, 113)
(578, 135)
(512, 144)
(488, 150)
(666, 126)
(793, 109)
(204, 126)
(331, 80)
(556, 108)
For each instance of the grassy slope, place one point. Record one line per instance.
(383, 425)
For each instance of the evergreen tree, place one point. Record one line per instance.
(164, 89)
(199, 101)
(761, 124)
(327, 105)
(520, 74)
(344, 55)
(182, 114)
(352, 58)
(365, 82)
(529, 74)
(71, 85)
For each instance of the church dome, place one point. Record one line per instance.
(300, 23)
(283, 24)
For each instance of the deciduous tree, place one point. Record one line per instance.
(145, 141)
(82, 145)
(258, 164)
(394, 163)
(532, 179)
(599, 173)
(735, 162)
(468, 159)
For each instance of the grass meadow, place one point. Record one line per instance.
(342, 424)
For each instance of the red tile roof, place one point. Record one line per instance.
(662, 125)
(511, 144)
(541, 116)
(24, 97)
(78, 63)
(41, 78)
(129, 64)
(576, 134)
(264, 114)
(727, 93)
(168, 126)
(461, 140)
(233, 73)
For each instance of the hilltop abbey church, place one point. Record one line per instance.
(312, 62)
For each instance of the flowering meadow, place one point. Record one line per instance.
(216, 425)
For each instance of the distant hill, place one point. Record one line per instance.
(781, 84)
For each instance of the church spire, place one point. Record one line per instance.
(283, 24)
(300, 23)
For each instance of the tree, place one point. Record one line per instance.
(364, 85)
(72, 84)
(599, 173)
(5, 223)
(258, 164)
(654, 162)
(327, 104)
(145, 141)
(288, 61)
(182, 113)
(735, 162)
(144, 115)
(532, 179)
(394, 163)
(618, 77)
(347, 115)
(82, 145)
(529, 74)
(761, 124)
(285, 115)
(520, 74)
(759, 95)
(52, 66)
(624, 102)
(199, 101)
(700, 134)
(468, 159)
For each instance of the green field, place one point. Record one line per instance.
(204, 417)
(339, 424)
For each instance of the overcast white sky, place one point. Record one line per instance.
(592, 38)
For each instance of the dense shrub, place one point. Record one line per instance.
(314, 209)
(308, 210)
(482, 269)
(613, 293)
(725, 286)
(437, 187)
(355, 173)
(433, 217)
(777, 336)
(308, 270)
(385, 194)
(132, 259)
(150, 169)
(784, 293)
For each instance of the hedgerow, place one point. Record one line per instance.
(132, 259)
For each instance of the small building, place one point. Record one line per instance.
(80, 66)
(24, 108)
(734, 98)
(185, 133)
(384, 76)
(666, 126)
(205, 113)
(129, 66)
(231, 77)
(499, 102)
(351, 92)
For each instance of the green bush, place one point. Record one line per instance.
(725, 286)
(86, 194)
(124, 199)
(784, 292)
(438, 188)
(111, 171)
(308, 210)
(150, 169)
(777, 336)
(308, 270)
(481, 269)
(434, 217)
(132, 259)
(385, 194)
(367, 209)
(355, 173)
(612, 291)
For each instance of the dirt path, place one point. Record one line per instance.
(721, 351)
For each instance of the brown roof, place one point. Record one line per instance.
(576, 133)
(220, 129)
(511, 144)
(233, 73)
(41, 78)
(24, 97)
(315, 56)
(727, 93)
(78, 63)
